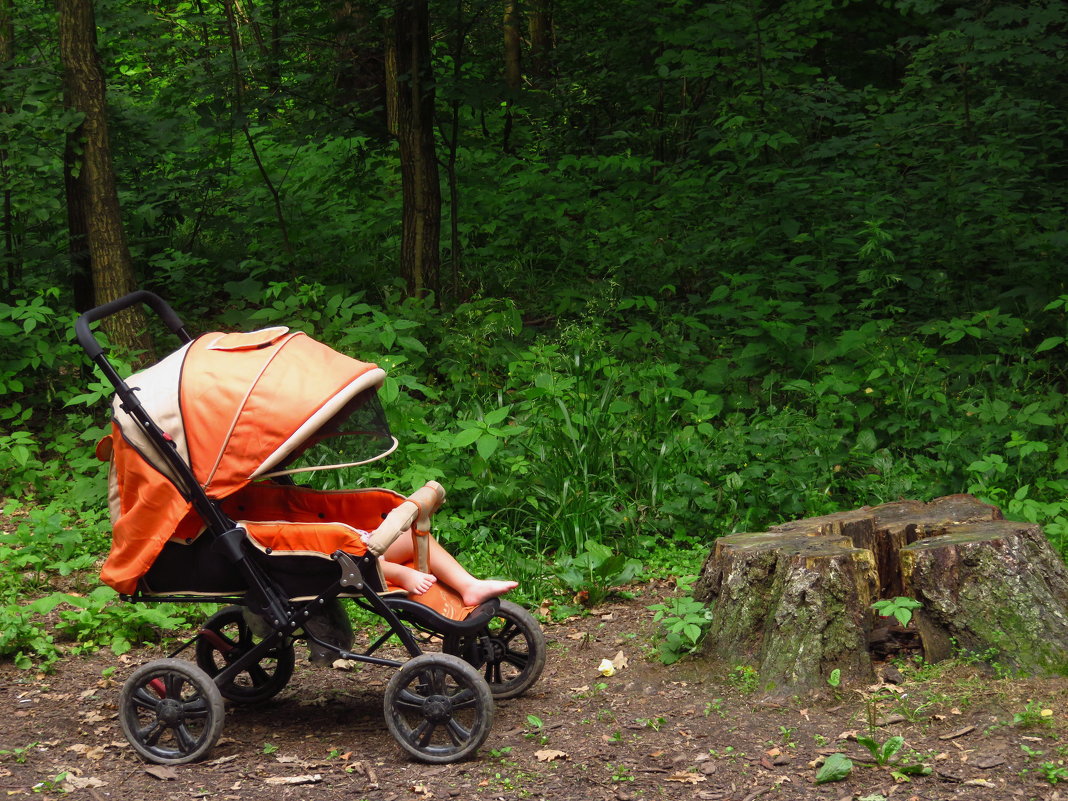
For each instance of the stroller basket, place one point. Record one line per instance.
(202, 451)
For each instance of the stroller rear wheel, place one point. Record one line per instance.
(171, 712)
(438, 708)
(223, 638)
(510, 651)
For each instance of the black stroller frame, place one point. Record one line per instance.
(438, 706)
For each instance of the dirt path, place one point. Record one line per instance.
(688, 731)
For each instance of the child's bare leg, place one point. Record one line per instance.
(413, 581)
(472, 591)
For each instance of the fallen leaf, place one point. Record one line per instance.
(343, 664)
(423, 790)
(162, 772)
(549, 754)
(81, 782)
(619, 661)
(312, 778)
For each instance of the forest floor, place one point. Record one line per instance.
(691, 730)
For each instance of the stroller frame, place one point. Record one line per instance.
(438, 706)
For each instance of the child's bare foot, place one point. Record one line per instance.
(414, 581)
(483, 589)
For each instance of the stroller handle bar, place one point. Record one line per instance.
(89, 342)
(415, 514)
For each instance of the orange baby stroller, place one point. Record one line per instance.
(203, 448)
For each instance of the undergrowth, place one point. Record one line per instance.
(608, 450)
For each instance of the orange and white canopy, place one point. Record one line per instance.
(236, 407)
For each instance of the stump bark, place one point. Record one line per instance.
(794, 602)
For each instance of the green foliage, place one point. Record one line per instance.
(899, 608)
(743, 262)
(684, 621)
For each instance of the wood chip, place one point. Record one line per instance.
(987, 762)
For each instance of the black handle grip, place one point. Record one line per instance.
(158, 304)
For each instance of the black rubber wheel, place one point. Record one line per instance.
(510, 651)
(171, 712)
(438, 708)
(224, 637)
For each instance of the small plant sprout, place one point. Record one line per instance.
(900, 608)
(1033, 715)
(536, 730)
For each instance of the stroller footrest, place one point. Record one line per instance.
(425, 616)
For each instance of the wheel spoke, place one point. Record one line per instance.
(141, 698)
(409, 700)
(421, 734)
(516, 658)
(464, 699)
(258, 675)
(508, 630)
(186, 741)
(457, 733)
(436, 681)
(195, 708)
(174, 683)
(149, 735)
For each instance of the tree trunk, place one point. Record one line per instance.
(540, 29)
(111, 266)
(414, 82)
(513, 71)
(359, 74)
(9, 259)
(795, 602)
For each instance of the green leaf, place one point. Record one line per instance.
(1049, 343)
(466, 437)
(496, 416)
(834, 769)
(487, 444)
(890, 747)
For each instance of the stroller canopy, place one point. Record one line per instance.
(235, 407)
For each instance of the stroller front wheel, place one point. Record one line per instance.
(171, 712)
(438, 708)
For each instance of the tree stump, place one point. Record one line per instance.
(794, 602)
(995, 589)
